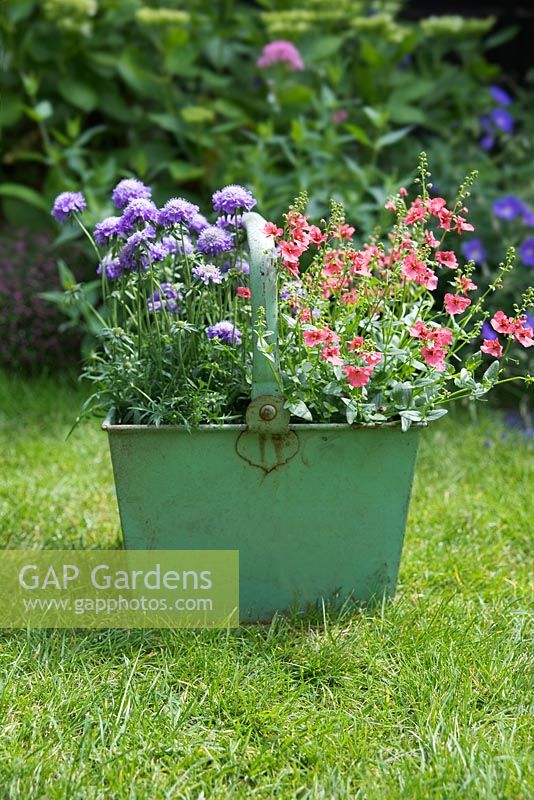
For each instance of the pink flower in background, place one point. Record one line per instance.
(358, 376)
(492, 347)
(416, 213)
(454, 304)
(244, 292)
(280, 52)
(340, 116)
(430, 239)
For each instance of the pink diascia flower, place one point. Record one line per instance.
(332, 354)
(243, 291)
(434, 356)
(419, 330)
(523, 333)
(272, 229)
(319, 336)
(492, 347)
(465, 284)
(417, 271)
(454, 304)
(416, 213)
(372, 358)
(503, 324)
(358, 376)
(447, 258)
(462, 225)
(280, 52)
(430, 239)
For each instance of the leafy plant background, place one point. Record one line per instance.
(96, 89)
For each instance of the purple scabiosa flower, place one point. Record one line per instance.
(66, 204)
(166, 298)
(213, 241)
(139, 210)
(109, 227)
(228, 221)
(174, 246)
(500, 96)
(233, 198)
(224, 331)
(198, 223)
(528, 217)
(526, 251)
(474, 250)
(112, 267)
(488, 332)
(129, 254)
(130, 189)
(207, 273)
(176, 211)
(280, 51)
(508, 207)
(503, 120)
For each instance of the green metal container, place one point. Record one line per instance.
(316, 511)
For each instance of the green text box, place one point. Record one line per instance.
(119, 589)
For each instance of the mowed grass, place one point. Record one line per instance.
(429, 696)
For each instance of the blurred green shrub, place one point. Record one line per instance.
(92, 90)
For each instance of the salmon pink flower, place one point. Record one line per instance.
(351, 296)
(332, 354)
(419, 330)
(272, 229)
(403, 192)
(447, 258)
(435, 205)
(430, 239)
(416, 213)
(465, 284)
(372, 358)
(441, 336)
(316, 235)
(434, 356)
(344, 231)
(317, 336)
(355, 344)
(412, 268)
(492, 347)
(461, 224)
(244, 292)
(390, 205)
(523, 333)
(502, 324)
(358, 376)
(454, 304)
(445, 218)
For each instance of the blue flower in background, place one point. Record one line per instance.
(528, 217)
(488, 332)
(503, 120)
(488, 140)
(508, 207)
(474, 250)
(500, 96)
(526, 251)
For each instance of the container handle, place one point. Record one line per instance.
(263, 296)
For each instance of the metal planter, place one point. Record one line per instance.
(316, 511)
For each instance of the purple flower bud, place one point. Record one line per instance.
(500, 96)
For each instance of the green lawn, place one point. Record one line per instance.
(428, 697)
